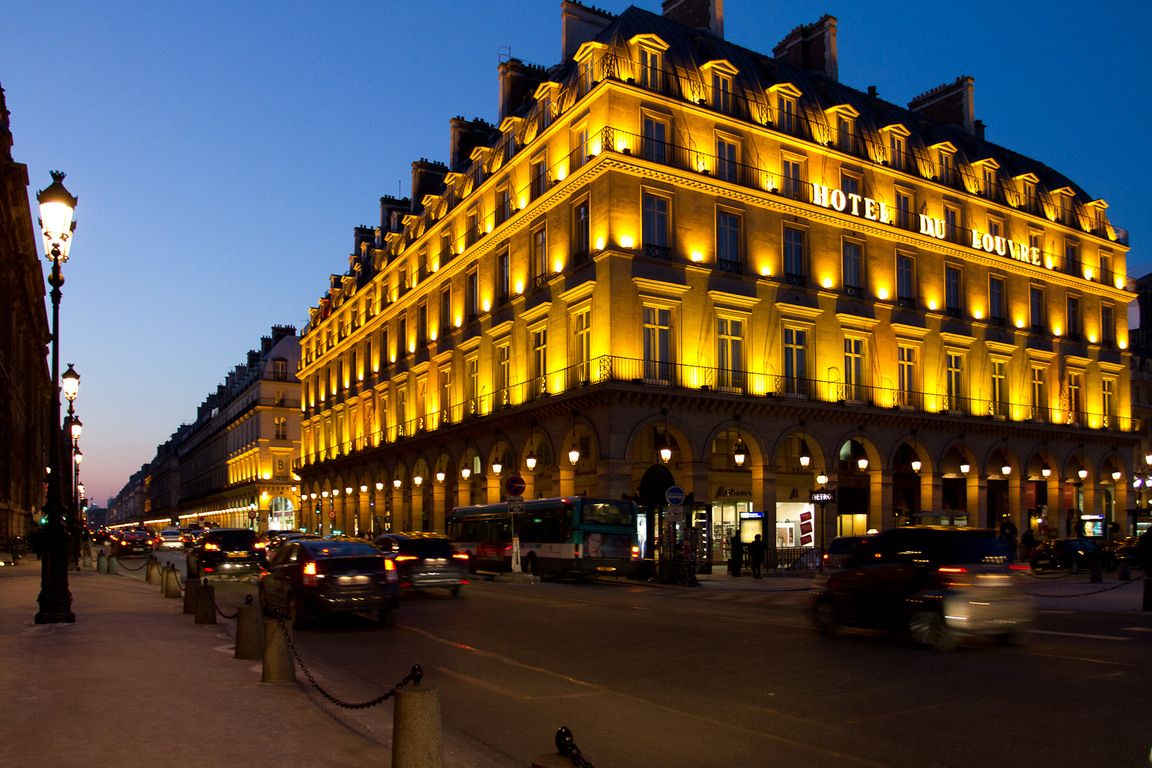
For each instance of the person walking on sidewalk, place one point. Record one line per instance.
(737, 561)
(756, 555)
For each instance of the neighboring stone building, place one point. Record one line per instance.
(24, 337)
(233, 466)
(668, 241)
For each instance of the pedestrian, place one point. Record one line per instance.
(737, 553)
(1027, 543)
(1144, 551)
(756, 555)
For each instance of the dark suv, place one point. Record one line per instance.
(226, 552)
(940, 584)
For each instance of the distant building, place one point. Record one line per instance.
(24, 336)
(672, 246)
(233, 466)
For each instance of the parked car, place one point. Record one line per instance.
(426, 560)
(1072, 555)
(939, 584)
(226, 552)
(169, 538)
(131, 541)
(1121, 550)
(309, 577)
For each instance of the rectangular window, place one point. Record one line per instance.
(852, 261)
(787, 115)
(503, 374)
(422, 325)
(656, 226)
(794, 256)
(1073, 313)
(1106, 268)
(1075, 402)
(445, 310)
(579, 142)
(998, 400)
(955, 382)
(1038, 317)
(989, 183)
(845, 140)
(1108, 402)
(538, 171)
(540, 361)
(471, 385)
(897, 153)
(539, 256)
(728, 257)
(905, 280)
(796, 362)
(471, 228)
(650, 70)
(386, 356)
(953, 291)
(853, 370)
(402, 426)
(657, 345)
(281, 426)
(655, 140)
(1072, 265)
(402, 341)
(445, 247)
(582, 345)
(906, 377)
(792, 171)
(952, 228)
(730, 354)
(1039, 394)
(996, 300)
(472, 295)
(503, 205)
(446, 415)
(726, 159)
(1107, 326)
(905, 216)
(503, 277)
(849, 183)
(947, 162)
(721, 92)
(581, 232)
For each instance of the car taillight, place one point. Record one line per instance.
(403, 559)
(460, 556)
(261, 545)
(953, 569)
(576, 551)
(389, 565)
(309, 574)
(636, 552)
(212, 547)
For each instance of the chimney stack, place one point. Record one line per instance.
(427, 179)
(812, 47)
(698, 14)
(466, 135)
(579, 24)
(952, 104)
(518, 82)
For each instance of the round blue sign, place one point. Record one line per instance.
(674, 495)
(515, 485)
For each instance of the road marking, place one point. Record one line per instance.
(1136, 629)
(1079, 634)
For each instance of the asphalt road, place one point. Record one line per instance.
(660, 676)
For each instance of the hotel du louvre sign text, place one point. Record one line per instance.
(876, 210)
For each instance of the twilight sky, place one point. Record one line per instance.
(222, 151)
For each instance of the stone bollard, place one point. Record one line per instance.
(206, 604)
(191, 595)
(1097, 572)
(102, 562)
(417, 740)
(150, 573)
(86, 556)
(566, 754)
(170, 582)
(249, 632)
(113, 565)
(278, 666)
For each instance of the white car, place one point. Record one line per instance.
(170, 538)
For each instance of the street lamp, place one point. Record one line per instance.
(56, 208)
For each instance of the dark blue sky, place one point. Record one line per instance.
(223, 151)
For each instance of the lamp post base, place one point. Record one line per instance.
(55, 617)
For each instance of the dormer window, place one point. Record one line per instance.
(1067, 210)
(1097, 210)
(897, 146)
(649, 57)
(945, 162)
(842, 120)
(1029, 199)
(718, 74)
(786, 97)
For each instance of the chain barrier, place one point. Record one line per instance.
(1109, 588)
(133, 570)
(221, 614)
(414, 676)
(566, 746)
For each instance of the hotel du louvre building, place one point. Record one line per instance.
(678, 261)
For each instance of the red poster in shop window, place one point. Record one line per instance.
(805, 528)
(806, 516)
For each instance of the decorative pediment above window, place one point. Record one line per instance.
(843, 110)
(588, 50)
(899, 129)
(648, 40)
(720, 67)
(785, 89)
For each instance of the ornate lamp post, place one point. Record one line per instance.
(56, 208)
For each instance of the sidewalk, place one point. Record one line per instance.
(135, 678)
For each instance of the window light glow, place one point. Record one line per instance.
(518, 289)
(826, 282)
(765, 270)
(486, 304)
(978, 314)
(600, 243)
(697, 256)
(558, 265)
(882, 294)
(627, 241)
(932, 305)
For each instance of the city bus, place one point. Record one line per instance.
(563, 537)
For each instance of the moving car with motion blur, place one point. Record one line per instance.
(310, 577)
(426, 560)
(169, 538)
(226, 552)
(131, 541)
(938, 584)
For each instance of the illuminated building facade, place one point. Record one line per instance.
(673, 244)
(24, 336)
(232, 467)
